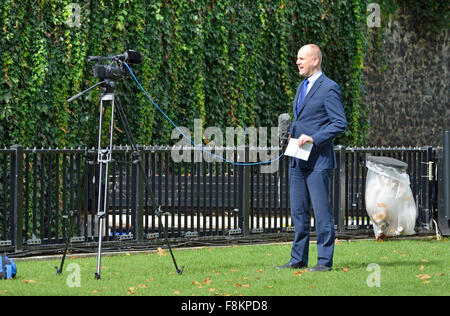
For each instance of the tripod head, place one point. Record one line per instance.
(108, 86)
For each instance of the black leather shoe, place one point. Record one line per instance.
(291, 265)
(319, 268)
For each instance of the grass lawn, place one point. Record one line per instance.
(395, 267)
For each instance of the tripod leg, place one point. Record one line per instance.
(101, 216)
(100, 223)
(72, 222)
(147, 182)
(73, 213)
(99, 253)
(104, 158)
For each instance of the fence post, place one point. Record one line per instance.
(446, 174)
(17, 194)
(444, 186)
(138, 197)
(340, 196)
(244, 195)
(425, 174)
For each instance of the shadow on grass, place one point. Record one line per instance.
(385, 263)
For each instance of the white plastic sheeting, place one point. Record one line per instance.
(389, 199)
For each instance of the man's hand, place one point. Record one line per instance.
(304, 139)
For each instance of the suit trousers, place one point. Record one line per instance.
(311, 188)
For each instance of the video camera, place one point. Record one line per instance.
(109, 74)
(113, 72)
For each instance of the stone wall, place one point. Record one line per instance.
(408, 86)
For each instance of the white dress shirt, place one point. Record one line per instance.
(313, 79)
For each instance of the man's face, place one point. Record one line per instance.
(306, 62)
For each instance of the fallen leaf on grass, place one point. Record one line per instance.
(423, 276)
(207, 280)
(345, 269)
(176, 292)
(131, 290)
(260, 271)
(28, 281)
(195, 282)
(162, 252)
(298, 272)
(237, 284)
(421, 267)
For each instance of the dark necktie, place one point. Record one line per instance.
(302, 96)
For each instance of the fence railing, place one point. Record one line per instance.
(39, 189)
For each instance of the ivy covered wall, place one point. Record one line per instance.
(228, 63)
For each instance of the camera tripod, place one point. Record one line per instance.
(104, 158)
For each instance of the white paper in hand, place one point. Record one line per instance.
(298, 152)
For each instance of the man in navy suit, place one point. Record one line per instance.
(318, 118)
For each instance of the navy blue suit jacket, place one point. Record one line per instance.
(322, 117)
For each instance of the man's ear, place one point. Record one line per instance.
(316, 61)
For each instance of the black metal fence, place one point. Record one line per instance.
(39, 188)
